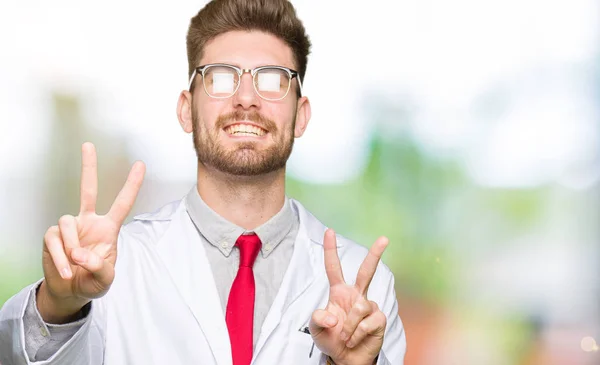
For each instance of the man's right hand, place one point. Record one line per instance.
(80, 252)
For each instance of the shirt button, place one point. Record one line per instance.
(224, 244)
(43, 331)
(268, 247)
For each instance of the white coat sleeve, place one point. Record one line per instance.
(86, 347)
(394, 340)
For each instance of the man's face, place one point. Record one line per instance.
(218, 124)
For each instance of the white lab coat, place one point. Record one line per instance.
(163, 307)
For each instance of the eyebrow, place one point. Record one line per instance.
(238, 65)
(230, 63)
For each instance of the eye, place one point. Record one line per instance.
(220, 81)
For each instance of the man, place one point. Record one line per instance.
(235, 272)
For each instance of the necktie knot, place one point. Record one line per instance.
(249, 245)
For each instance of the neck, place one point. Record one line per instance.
(246, 201)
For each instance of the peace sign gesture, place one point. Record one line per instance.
(80, 252)
(350, 329)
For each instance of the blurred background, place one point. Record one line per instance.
(466, 131)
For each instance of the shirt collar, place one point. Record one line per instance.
(223, 234)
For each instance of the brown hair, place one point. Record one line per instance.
(277, 17)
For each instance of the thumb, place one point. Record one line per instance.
(320, 320)
(93, 263)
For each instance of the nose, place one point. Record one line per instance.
(246, 96)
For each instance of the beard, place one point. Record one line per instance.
(245, 159)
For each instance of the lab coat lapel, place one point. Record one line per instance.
(183, 254)
(299, 275)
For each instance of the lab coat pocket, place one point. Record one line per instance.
(302, 349)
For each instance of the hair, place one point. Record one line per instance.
(277, 17)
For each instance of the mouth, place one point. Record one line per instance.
(244, 129)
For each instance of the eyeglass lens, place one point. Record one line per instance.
(222, 82)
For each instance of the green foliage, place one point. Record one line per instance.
(14, 276)
(428, 209)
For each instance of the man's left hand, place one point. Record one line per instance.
(351, 327)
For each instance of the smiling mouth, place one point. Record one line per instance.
(245, 130)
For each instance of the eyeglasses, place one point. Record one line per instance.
(222, 81)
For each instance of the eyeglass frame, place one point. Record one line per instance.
(241, 71)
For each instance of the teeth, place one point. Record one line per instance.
(245, 129)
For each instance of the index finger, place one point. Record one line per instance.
(369, 266)
(333, 268)
(124, 201)
(89, 178)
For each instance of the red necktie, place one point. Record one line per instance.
(240, 305)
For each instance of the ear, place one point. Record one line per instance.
(184, 111)
(302, 116)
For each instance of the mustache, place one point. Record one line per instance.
(238, 115)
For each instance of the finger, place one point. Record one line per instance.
(320, 320)
(68, 233)
(89, 178)
(89, 260)
(124, 202)
(369, 265)
(333, 268)
(55, 247)
(359, 311)
(373, 325)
